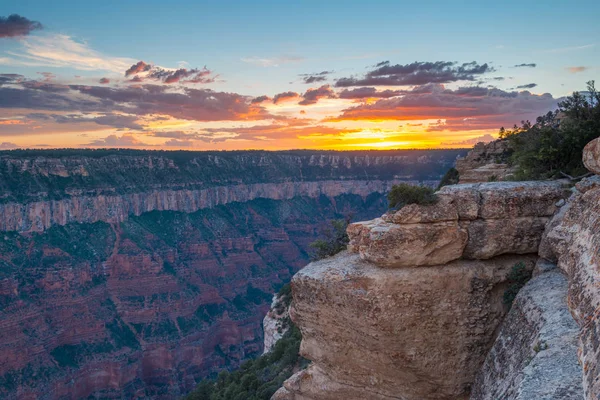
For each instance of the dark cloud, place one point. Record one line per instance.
(368, 92)
(104, 81)
(316, 77)
(136, 79)
(260, 99)
(14, 26)
(10, 78)
(184, 75)
(140, 66)
(417, 73)
(312, 96)
(279, 97)
(531, 65)
(527, 86)
(185, 103)
(466, 108)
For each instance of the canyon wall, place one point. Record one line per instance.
(127, 274)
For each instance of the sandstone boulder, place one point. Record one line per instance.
(408, 333)
(398, 245)
(591, 156)
(475, 221)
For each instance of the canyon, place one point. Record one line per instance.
(490, 293)
(136, 274)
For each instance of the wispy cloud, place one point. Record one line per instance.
(571, 48)
(575, 70)
(271, 62)
(62, 51)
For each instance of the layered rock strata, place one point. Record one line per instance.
(41, 215)
(410, 311)
(487, 161)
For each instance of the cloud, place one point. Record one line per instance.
(527, 86)
(169, 76)
(530, 65)
(179, 143)
(466, 108)
(138, 67)
(271, 62)
(312, 96)
(316, 77)
(471, 142)
(291, 129)
(184, 102)
(8, 146)
(10, 78)
(15, 26)
(571, 48)
(260, 99)
(285, 96)
(115, 141)
(417, 73)
(62, 51)
(368, 92)
(104, 81)
(575, 70)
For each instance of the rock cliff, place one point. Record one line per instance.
(485, 162)
(132, 274)
(410, 311)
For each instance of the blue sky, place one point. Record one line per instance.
(261, 47)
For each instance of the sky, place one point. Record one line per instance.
(229, 75)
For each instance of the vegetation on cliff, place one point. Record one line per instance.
(552, 147)
(517, 278)
(451, 177)
(404, 194)
(335, 240)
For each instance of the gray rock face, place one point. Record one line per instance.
(474, 221)
(535, 353)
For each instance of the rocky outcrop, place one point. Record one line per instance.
(275, 323)
(573, 242)
(535, 354)
(410, 311)
(396, 333)
(485, 162)
(472, 221)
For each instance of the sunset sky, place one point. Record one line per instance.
(273, 75)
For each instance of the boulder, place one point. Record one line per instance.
(591, 156)
(403, 333)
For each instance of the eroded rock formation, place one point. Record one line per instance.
(487, 161)
(410, 311)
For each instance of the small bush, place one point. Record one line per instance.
(517, 278)
(404, 194)
(335, 240)
(451, 177)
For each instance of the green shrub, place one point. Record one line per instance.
(256, 379)
(404, 194)
(451, 177)
(517, 278)
(335, 240)
(553, 146)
